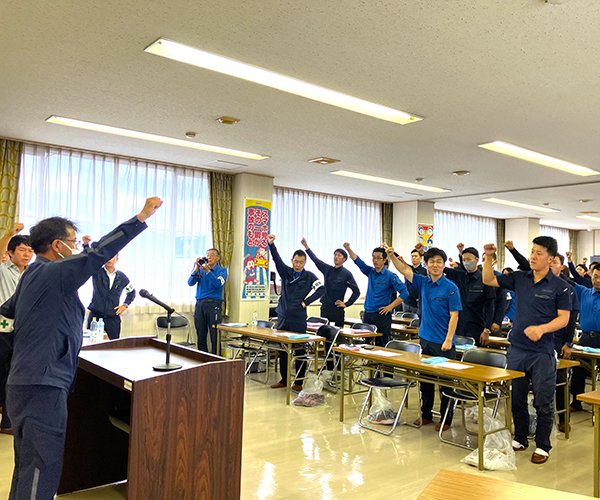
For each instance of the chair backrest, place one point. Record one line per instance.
(317, 319)
(176, 322)
(409, 315)
(415, 322)
(485, 357)
(265, 324)
(460, 340)
(328, 331)
(403, 345)
(364, 326)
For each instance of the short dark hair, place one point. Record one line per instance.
(299, 253)
(435, 252)
(47, 230)
(382, 251)
(583, 266)
(15, 241)
(549, 243)
(594, 265)
(561, 258)
(415, 251)
(509, 269)
(472, 251)
(342, 252)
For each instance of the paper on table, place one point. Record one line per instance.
(388, 354)
(454, 366)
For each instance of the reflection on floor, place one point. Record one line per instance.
(307, 453)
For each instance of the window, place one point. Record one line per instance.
(327, 222)
(451, 228)
(560, 235)
(98, 192)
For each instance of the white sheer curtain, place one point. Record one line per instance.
(326, 222)
(561, 235)
(450, 228)
(98, 192)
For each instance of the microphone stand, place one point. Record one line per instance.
(167, 366)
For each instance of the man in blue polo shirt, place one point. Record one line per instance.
(543, 307)
(589, 320)
(440, 306)
(382, 284)
(210, 277)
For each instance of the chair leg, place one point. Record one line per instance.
(362, 412)
(448, 441)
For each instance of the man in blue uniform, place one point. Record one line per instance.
(48, 336)
(543, 307)
(108, 285)
(210, 278)
(382, 284)
(337, 280)
(299, 289)
(411, 304)
(440, 306)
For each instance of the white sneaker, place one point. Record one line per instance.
(517, 446)
(539, 451)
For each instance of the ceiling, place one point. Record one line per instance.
(520, 71)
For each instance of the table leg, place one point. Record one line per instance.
(480, 430)
(596, 451)
(341, 388)
(566, 405)
(593, 360)
(509, 407)
(288, 386)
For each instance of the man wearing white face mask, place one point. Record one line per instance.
(477, 315)
(47, 339)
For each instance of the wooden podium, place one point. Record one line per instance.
(171, 435)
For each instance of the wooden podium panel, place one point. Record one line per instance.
(185, 426)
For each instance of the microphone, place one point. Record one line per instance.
(147, 295)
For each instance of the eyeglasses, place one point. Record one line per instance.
(77, 242)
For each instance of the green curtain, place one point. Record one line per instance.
(500, 238)
(10, 167)
(573, 244)
(221, 196)
(387, 223)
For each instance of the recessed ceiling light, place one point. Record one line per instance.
(228, 120)
(539, 158)
(323, 160)
(585, 201)
(384, 180)
(461, 172)
(107, 129)
(519, 205)
(589, 217)
(190, 135)
(190, 55)
(589, 212)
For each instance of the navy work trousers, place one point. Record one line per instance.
(297, 325)
(207, 315)
(39, 418)
(540, 374)
(383, 322)
(428, 390)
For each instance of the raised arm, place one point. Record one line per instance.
(321, 266)
(351, 253)
(519, 257)
(282, 269)
(16, 229)
(488, 267)
(399, 264)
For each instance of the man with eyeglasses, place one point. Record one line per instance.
(299, 289)
(382, 284)
(47, 339)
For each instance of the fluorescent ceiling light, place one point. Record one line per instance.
(520, 205)
(190, 55)
(394, 182)
(107, 129)
(589, 217)
(539, 158)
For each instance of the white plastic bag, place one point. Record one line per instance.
(498, 453)
(311, 394)
(382, 410)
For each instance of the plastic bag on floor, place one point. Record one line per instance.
(498, 452)
(312, 393)
(532, 418)
(382, 411)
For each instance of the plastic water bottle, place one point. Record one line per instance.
(254, 318)
(100, 330)
(93, 329)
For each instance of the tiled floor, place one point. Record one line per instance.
(306, 453)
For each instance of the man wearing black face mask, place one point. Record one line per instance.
(477, 299)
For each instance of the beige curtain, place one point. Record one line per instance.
(500, 238)
(221, 190)
(10, 167)
(387, 223)
(573, 245)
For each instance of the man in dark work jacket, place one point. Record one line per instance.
(337, 280)
(296, 286)
(47, 339)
